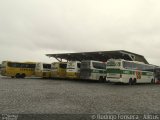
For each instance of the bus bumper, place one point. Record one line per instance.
(116, 80)
(72, 75)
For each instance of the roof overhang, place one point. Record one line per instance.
(99, 56)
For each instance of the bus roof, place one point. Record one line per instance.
(29, 62)
(99, 56)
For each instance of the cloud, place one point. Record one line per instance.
(32, 28)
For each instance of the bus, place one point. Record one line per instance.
(73, 69)
(93, 70)
(58, 69)
(17, 69)
(43, 70)
(131, 72)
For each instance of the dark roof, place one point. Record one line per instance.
(99, 56)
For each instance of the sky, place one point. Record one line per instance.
(29, 29)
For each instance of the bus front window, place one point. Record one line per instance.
(47, 66)
(4, 64)
(63, 66)
(114, 63)
(85, 65)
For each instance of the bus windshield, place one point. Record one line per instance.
(63, 66)
(114, 63)
(71, 65)
(47, 66)
(4, 64)
(85, 65)
(99, 65)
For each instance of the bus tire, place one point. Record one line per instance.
(23, 75)
(101, 79)
(130, 81)
(134, 81)
(17, 75)
(12, 76)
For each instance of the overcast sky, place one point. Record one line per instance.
(29, 29)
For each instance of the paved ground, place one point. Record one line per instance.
(68, 96)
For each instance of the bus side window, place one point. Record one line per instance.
(31, 65)
(139, 67)
(127, 65)
(23, 66)
(134, 66)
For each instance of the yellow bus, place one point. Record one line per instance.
(58, 69)
(73, 70)
(17, 69)
(43, 70)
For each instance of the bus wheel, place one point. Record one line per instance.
(101, 79)
(130, 81)
(134, 81)
(17, 75)
(12, 76)
(23, 75)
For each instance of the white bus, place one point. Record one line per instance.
(43, 70)
(93, 70)
(73, 69)
(131, 72)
